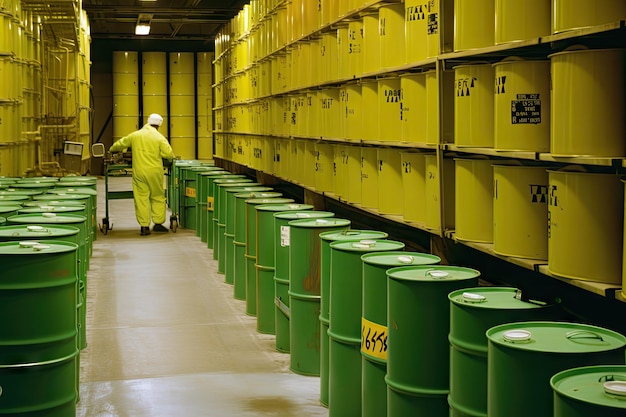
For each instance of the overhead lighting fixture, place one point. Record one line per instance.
(143, 24)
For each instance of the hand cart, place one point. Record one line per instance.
(115, 165)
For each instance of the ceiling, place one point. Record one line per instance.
(186, 20)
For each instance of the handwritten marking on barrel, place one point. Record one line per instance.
(373, 339)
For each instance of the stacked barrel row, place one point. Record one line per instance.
(47, 228)
(177, 86)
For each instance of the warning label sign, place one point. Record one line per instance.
(526, 109)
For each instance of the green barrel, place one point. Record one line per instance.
(222, 218)
(92, 192)
(8, 211)
(38, 355)
(472, 312)
(38, 186)
(202, 201)
(86, 198)
(83, 179)
(281, 269)
(188, 194)
(374, 319)
(207, 180)
(39, 179)
(201, 196)
(305, 290)
(227, 208)
(522, 357)
(327, 238)
(21, 191)
(9, 180)
(59, 232)
(418, 313)
(17, 199)
(174, 184)
(254, 274)
(13, 202)
(344, 331)
(590, 391)
(219, 227)
(237, 209)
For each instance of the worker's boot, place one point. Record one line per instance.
(145, 230)
(159, 228)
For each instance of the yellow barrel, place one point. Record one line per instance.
(369, 97)
(371, 43)
(183, 147)
(330, 56)
(324, 171)
(127, 105)
(310, 160)
(434, 198)
(414, 108)
(316, 61)
(570, 14)
(432, 108)
(369, 177)
(153, 63)
(340, 168)
(392, 39)
(583, 240)
(182, 83)
(389, 109)
(588, 102)
(312, 115)
(413, 186)
(154, 83)
(122, 125)
(474, 200)
(312, 16)
(353, 111)
(522, 105)
(296, 18)
(474, 24)
(6, 40)
(343, 56)
(8, 127)
(328, 13)
(125, 83)
(299, 159)
(520, 211)
(417, 14)
(125, 62)
(330, 112)
(521, 20)
(183, 105)
(354, 174)
(183, 126)
(390, 190)
(355, 49)
(473, 105)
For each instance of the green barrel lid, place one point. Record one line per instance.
(39, 179)
(31, 247)
(72, 190)
(186, 162)
(254, 194)
(245, 188)
(51, 209)
(8, 180)
(14, 192)
(76, 184)
(14, 202)
(47, 218)
(232, 178)
(238, 184)
(555, 337)
(601, 385)
(432, 273)
(257, 201)
(400, 258)
(204, 168)
(285, 207)
(352, 234)
(77, 178)
(39, 203)
(61, 196)
(10, 209)
(303, 215)
(32, 185)
(320, 222)
(496, 298)
(18, 231)
(367, 245)
(213, 173)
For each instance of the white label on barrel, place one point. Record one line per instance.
(284, 236)
(526, 109)
(373, 339)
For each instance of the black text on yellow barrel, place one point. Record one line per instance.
(305, 290)
(418, 321)
(522, 357)
(344, 331)
(38, 347)
(472, 312)
(281, 270)
(374, 324)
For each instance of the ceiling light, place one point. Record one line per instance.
(143, 24)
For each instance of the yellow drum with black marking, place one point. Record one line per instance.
(369, 177)
(371, 43)
(413, 186)
(324, 172)
(521, 20)
(585, 214)
(390, 191)
(520, 211)
(392, 38)
(473, 105)
(369, 96)
(389, 109)
(434, 197)
(413, 87)
(474, 24)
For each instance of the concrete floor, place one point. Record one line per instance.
(165, 337)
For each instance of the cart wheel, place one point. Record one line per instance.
(173, 223)
(105, 226)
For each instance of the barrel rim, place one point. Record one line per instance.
(559, 377)
(369, 258)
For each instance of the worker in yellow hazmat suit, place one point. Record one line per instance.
(149, 148)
